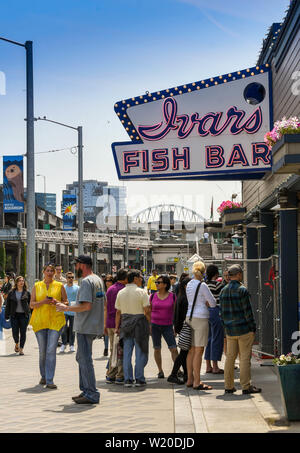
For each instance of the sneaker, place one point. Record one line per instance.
(230, 390)
(251, 389)
(105, 353)
(175, 380)
(72, 349)
(109, 380)
(62, 348)
(140, 383)
(119, 381)
(161, 375)
(128, 383)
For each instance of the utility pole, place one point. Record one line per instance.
(80, 216)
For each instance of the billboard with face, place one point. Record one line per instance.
(13, 188)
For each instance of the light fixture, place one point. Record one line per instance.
(239, 233)
(284, 201)
(256, 223)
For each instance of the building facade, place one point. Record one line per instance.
(281, 233)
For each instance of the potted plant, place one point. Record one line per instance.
(288, 372)
(232, 213)
(284, 141)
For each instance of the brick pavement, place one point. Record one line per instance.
(27, 407)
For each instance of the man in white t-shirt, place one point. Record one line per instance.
(133, 312)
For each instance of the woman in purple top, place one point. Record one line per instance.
(162, 312)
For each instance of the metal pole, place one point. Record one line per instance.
(111, 254)
(31, 265)
(127, 252)
(80, 193)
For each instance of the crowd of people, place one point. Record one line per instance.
(126, 311)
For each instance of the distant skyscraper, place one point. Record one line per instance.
(118, 207)
(45, 201)
(95, 198)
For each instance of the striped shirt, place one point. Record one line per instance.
(236, 311)
(215, 288)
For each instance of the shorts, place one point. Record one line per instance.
(167, 332)
(200, 330)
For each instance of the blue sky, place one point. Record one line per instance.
(90, 54)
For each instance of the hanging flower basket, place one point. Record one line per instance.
(231, 213)
(288, 373)
(284, 141)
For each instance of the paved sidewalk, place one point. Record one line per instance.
(27, 407)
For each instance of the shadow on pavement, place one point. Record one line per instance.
(72, 408)
(233, 397)
(151, 384)
(35, 389)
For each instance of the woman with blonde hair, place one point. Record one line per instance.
(199, 299)
(46, 322)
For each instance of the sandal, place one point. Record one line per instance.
(203, 387)
(210, 371)
(218, 372)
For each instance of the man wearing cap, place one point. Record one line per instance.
(240, 328)
(88, 324)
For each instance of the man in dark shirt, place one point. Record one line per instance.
(239, 324)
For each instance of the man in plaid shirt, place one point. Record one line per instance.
(240, 327)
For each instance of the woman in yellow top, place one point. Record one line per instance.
(46, 322)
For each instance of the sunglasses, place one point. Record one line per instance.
(108, 280)
(70, 277)
(158, 283)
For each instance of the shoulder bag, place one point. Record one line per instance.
(185, 336)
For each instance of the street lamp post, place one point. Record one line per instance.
(80, 217)
(111, 253)
(43, 244)
(30, 202)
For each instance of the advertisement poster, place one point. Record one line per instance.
(69, 212)
(13, 188)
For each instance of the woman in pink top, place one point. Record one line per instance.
(162, 312)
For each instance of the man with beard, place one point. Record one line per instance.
(88, 324)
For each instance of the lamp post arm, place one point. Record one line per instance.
(56, 122)
(12, 42)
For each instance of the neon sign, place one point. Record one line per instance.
(211, 129)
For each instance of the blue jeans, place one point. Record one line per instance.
(47, 340)
(106, 340)
(167, 332)
(215, 344)
(141, 360)
(87, 380)
(68, 336)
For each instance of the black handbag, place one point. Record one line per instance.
(185, 336)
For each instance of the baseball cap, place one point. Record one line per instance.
(84, 259)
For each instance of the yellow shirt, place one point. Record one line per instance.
(46, 316)
(151, 283)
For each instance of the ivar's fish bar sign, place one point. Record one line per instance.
(211, 129)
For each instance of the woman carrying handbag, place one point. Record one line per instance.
(198, 311)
